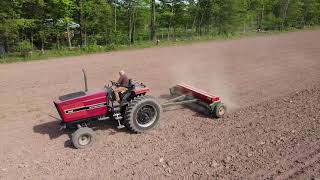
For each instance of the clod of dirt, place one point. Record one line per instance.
(170, 163)
(214, 164)
(262, 143)
(168, 170)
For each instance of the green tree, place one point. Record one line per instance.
(8, 26)
(97, 21)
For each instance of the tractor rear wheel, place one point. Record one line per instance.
(220, 110)
(83, 138)
(142, 114)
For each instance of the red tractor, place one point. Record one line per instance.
(137, 111)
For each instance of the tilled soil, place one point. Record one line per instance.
(271, 85)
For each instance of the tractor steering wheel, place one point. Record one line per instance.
(114, 83)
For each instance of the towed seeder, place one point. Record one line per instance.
(137, 111)
(184, 94)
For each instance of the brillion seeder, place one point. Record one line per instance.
(137, 111)
(209, 104)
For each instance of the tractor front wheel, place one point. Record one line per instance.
(142, 114)
(83, 138)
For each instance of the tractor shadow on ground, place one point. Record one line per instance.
(52, 129)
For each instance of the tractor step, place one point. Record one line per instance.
(118, 117)
(120, 126)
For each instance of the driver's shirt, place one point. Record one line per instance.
(123, 81)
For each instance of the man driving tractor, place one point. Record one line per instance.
(122, 85)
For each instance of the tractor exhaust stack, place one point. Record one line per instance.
(85, 80)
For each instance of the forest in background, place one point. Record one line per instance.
(93, 25)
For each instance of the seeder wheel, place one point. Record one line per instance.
(173, 91)
(220, 110)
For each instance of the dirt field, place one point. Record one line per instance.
(271, 85)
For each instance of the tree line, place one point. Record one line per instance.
(56, 24)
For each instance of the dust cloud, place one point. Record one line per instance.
(214, 82)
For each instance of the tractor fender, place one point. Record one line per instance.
(141, 91)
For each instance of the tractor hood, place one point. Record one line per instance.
(81, 105)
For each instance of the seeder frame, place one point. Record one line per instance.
(186, 95)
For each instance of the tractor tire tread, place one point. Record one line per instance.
(78, 133)
(132, 107)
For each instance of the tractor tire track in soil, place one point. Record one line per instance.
(271, 85)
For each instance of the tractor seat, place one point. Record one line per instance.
(130, 85)
(127, 93)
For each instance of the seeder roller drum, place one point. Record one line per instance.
(196, 93)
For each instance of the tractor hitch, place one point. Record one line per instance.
(180, 100)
